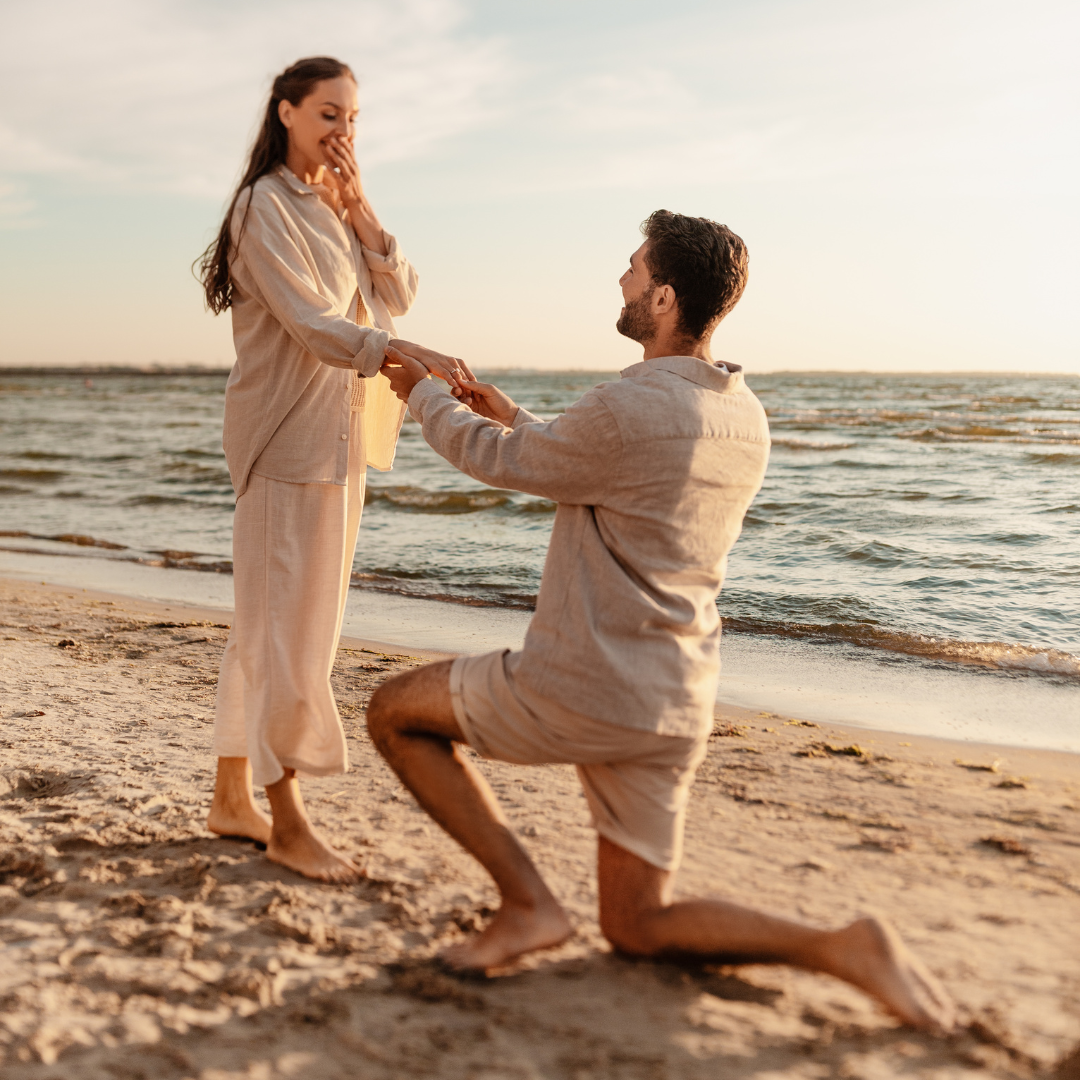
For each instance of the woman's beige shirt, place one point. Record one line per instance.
(312, 310)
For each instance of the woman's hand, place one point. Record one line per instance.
(403, 372)
(448, 368)
(491, 402)
(343, 177)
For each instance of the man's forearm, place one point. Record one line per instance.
(556, 461)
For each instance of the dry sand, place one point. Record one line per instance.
(137, 945)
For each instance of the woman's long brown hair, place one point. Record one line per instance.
(269, 151)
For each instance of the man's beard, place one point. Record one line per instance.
(636, 321)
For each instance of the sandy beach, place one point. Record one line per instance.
(138, 945)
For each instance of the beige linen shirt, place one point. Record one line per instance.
(653, 475)
(312, 309)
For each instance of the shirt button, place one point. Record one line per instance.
(344, 437)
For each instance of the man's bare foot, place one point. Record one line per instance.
(300, 848)
(244, 819)
(870, 955)
(512, 931)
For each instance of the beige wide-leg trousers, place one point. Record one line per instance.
(293, 547)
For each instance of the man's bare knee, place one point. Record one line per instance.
(629, 930)
(415, 702)
(381, 712)
(633, 894)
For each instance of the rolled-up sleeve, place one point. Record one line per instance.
(392, 276)
(572, 459)
(270, 265)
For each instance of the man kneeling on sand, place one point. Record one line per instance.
(618, 675)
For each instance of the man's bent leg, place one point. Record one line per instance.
(638, 917)
(411, 721)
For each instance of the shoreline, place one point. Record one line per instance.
(826, 684)
(1060, 763)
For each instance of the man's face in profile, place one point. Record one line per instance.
(636, 320)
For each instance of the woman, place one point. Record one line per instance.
(312, 281)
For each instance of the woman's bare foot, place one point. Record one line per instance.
(512, 931)
(246, 820)
(870, 955)
(295, 843)
(233, 811)
(300, 848)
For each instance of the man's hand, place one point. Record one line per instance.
(490, 401)
(449, 368)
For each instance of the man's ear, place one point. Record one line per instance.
(663, 300)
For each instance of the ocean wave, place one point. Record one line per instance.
(1052, 459)
(179, 500)
(32, 476)
(85, 541)
(417, 587)
(189, 560)
(810, 444)
(177, 560)
(182, 472)
(424, 501)
(1000, 655)
(976, 434)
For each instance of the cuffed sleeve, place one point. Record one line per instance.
(269, 264)
(571, 459)
(421, 392)
(525, 417)
(392, 276)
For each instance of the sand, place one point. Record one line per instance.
(138, 945)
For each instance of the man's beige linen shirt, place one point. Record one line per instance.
(312, 309)
(653, 475)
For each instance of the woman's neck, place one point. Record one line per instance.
(303, 168)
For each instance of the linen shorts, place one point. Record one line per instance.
(637, 783)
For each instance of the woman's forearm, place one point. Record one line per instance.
(367, 225)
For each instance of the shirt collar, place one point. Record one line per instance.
(689, 367)
(293, 182)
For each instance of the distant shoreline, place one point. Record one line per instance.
(84, 370)
(103, 370)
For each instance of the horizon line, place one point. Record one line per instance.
(207, 369)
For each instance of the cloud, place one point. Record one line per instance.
(16, 207)
(164, 95)
(938, 96)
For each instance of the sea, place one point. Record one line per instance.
(911, 562)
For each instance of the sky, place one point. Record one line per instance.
(904, 173)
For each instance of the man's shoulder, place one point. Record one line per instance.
(663, 404)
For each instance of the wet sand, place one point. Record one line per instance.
(137, 945)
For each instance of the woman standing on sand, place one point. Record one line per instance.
(312, 281)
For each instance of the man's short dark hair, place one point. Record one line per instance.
(704, 262)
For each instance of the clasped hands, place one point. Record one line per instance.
(407, 364)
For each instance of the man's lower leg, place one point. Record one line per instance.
(411, 721)
(637, 916)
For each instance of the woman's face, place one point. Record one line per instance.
(328, 112)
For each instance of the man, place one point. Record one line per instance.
(618, 675)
